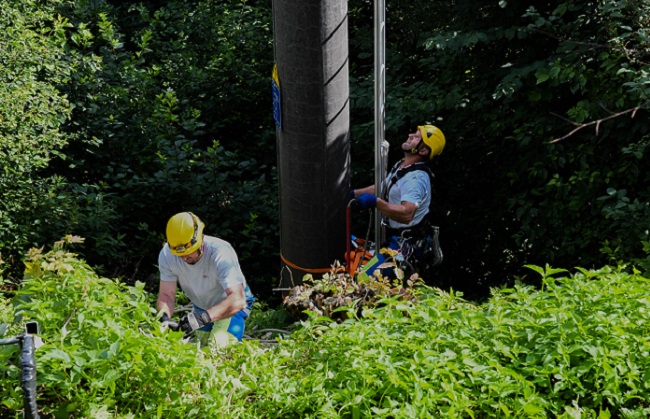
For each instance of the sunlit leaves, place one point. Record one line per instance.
(579, 348)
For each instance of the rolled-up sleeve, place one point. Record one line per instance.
(228, 270)
(166, 274)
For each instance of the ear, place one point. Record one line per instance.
(424, 151)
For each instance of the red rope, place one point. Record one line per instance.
(309, 270)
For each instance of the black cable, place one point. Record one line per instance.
(10, 341)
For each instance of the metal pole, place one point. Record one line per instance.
(380, 114)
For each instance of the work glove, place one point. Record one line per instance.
(366, 200)
(193, 321)
(168, 323)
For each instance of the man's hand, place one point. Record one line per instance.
(194, 321)
(366, 200)
(168, 323)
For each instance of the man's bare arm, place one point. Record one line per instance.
(368, 189)
(233, 304)
(167, 297)
(402, 213)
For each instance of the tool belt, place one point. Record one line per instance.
(420, 241)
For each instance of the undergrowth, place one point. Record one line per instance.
(577, 348)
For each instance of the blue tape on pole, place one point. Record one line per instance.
(277, 110)
(277, 97)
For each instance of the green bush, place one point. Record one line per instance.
(32, 113)
(101, 347)
(576, 348)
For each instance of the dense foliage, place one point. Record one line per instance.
(162, 101)
(32, 112)
(116, 115)
(577, 348)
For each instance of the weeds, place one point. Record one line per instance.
(578, 348)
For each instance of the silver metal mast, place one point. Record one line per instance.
(380, 111)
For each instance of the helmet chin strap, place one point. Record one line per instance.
(200, 249)
(416, 149)
(198, 257)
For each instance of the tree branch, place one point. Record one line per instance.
(597, 122)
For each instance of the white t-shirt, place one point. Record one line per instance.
(413, 187)
(205, 282)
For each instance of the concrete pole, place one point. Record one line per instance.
(313, 134)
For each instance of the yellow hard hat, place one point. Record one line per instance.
(184, 233)
(433, 138)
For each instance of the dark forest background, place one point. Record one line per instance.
(114, 115)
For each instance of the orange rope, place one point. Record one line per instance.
(311, 271)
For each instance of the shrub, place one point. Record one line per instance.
(577, 347)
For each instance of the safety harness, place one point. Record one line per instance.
(395, 174)
(419, 241)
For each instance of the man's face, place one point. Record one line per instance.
(192, 258)
(412, 141)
